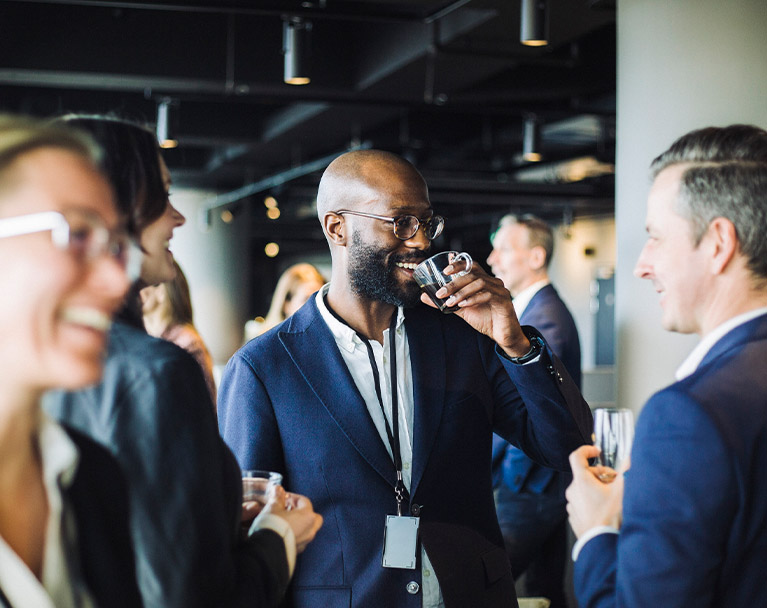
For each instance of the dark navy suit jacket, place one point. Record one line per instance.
(288, 403)
(694, 528)
(549, 315)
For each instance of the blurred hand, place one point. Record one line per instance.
(592, 502)
(255, 495)
(250, 510)
(297, 510)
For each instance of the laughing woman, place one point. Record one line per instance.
(64, 538)
(154, 412)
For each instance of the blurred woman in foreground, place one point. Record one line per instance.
(63, 519)
(153, 411)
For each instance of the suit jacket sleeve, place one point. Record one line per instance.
(244, 412)
(190, 536)
(556, 418)
(678, 492)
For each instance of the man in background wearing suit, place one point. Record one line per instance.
(530, 498)
(693, 513)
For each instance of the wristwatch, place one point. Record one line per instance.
(536, 347)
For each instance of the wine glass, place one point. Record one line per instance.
(613, 434)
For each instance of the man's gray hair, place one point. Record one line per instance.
(726, 176)
(539, 232)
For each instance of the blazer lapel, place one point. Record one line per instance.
(426, 342)
(311, 346)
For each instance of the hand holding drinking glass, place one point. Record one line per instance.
(613, 435)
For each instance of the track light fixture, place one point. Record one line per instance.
(296, 48)
(531, 139)
(165, 124)
(534, 23)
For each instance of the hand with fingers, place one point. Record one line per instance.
(297, 510)
(485, 304)
(592, 502)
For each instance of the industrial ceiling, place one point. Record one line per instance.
(447, 84)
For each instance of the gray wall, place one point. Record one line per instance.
(682, 64)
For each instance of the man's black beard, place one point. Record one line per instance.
(373, 277)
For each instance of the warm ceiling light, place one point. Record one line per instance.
(271, 250)
(534, 23)
(165, 135)
(273, 213)
(227, 216)
(531, 140)
(295, 47)
(270, 202)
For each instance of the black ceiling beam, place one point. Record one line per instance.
(342, 11)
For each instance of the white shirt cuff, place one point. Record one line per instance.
(593, 532)
(275, 523)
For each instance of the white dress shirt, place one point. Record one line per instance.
(355, 355)
(522, 299)
(58, 587)
(687, 368)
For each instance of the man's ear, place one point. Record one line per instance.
(335, 228)
(724, 243)
(537, 259)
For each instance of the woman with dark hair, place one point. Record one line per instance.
(168, 314)
(153, 411)
(141, 181)
(64, 538)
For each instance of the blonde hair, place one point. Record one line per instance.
(20, 135)
(289, 282)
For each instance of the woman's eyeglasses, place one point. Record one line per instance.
(81, 233)
(405, 226)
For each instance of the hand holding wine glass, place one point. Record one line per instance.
(613, 435)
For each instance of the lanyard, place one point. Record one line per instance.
(392, 432)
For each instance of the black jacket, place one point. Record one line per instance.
(152, 410)
(98, 499)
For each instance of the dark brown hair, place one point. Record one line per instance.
(130, 163)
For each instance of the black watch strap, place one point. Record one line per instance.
(536, 347)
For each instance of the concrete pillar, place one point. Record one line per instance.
(215, 262)
(682, 65)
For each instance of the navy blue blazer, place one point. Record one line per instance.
(695, 506)
(287, 402)
(550, 316)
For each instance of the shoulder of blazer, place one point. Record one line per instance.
(752, 331)
(297, 323)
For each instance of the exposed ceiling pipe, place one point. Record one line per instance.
(273, 181)
(366, 12)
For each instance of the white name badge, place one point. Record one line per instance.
(400, 542)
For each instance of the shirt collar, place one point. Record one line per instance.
(522, 299)
(345, 336)
(58, 453)
(697, 355)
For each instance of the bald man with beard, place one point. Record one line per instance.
(401, 476)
